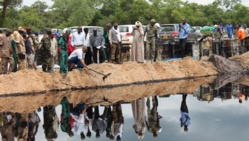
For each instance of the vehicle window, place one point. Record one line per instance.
(124, 29)
(165, 28)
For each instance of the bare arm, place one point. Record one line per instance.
(83, 63)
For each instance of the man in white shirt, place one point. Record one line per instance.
(78, 39)
(78, 57)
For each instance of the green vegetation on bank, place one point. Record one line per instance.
(64, 13)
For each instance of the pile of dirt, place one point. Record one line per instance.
(29, 103)
(27, 81)
(243, 60)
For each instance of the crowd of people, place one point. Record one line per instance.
(84, 120)
(21, 49)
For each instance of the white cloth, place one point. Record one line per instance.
(78, 39)
(54, 47)
(78, 52)
(87, 40)
(79, 125)
(118, 33)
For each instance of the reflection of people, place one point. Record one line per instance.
(138, 109)
(65, 117)
(118, 122)
(153, 124)
(241, 97)
(8, 126)
(107, 116)
(51, 122)
(98, 124)
(78, 114)
(185, 120)
(89, 119)
(33, 124)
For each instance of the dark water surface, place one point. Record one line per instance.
(214, 116)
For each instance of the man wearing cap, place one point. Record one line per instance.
(115, 40)
(6, 53)
(46, 52)
(151, 30)
(78, 39)
(18, 37)
(30, 44)
(183, 35)
(63, 43)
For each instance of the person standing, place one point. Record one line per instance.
(63, 43)
(138, 109)
(118, 121)
(54, 48)
(46, 52)
(183, 35)
(29, 46)
(20, 48)
(107, 42)
(6, 53)
(185, 120)
(137, 52)
(13, 45)
(151, 31)
(88, 58)
(78, 39)
(229, 29)
(97, 42)
(115, 40)
(241, 34)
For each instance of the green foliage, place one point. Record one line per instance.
(66, 13)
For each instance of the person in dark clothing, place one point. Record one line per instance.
(153, 124)
(89, 53)
(185, 120)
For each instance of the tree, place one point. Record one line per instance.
(5, 4)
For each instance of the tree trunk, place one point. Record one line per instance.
(5, 5)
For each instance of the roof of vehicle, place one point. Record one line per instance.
(85, 26)
(170, 24)
(129, 25)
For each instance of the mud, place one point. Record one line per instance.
(106, 96)
(30, 81)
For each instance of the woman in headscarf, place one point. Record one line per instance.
(137, 51)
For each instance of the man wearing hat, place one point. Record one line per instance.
(20, 48)
(30, 56)
(151, 30)
(46, 52)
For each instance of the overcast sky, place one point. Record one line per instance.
(49, 2)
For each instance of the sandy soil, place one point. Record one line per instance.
(29, 103)
(34, 81)
(243, 60)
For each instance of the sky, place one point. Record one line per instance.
(49, 2)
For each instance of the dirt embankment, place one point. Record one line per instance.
(34, 81)
(106, 96)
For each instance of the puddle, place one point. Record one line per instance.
(147, 112)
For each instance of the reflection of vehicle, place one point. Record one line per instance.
(170, 32)
(125, 31)
(197, 28)
(90, 29)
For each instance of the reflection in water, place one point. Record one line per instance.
(85, 122)
(185, 120)
(153, 124)
(138, 109)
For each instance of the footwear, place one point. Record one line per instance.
(106, 61)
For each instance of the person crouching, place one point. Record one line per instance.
(78, 57)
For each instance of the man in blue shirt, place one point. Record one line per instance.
(183, 35)
(229, 29)
(185, 120)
